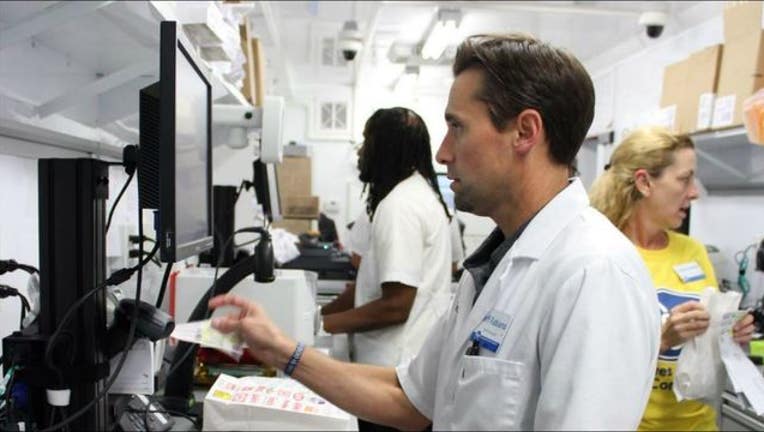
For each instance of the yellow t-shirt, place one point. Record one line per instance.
(674, 287)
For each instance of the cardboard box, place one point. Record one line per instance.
(300, 207)
(742, 66)
(741, 19)
(674, 94)
(294, 226)
(741, 74)
(294, 177)
(690, 86)
(702, 80)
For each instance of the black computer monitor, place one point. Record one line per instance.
(175, 167)
(444, 184)
(267, 189)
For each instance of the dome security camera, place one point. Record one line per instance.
(350, 40)
(654, 22)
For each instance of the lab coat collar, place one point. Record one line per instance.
(536, 238)
(550, 220)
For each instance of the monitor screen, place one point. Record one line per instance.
(175, 162)
(444, 184)
(192, 197)
(267, 189)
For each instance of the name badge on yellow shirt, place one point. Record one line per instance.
(689, 272)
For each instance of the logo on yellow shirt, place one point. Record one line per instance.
(668, 299)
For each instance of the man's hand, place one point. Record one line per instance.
(263, 338)
(743, 330)
(686, 321)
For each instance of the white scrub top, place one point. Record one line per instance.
(582, 338)
(410, 244)
(457, 252)
(360, 234)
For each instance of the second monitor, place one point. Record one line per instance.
(175, 167)
(267, 189)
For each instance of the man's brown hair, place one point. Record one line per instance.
(521, 72)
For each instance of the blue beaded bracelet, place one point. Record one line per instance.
(294, 359)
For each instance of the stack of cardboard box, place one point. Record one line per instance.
(689, 87)
(707, 89)
(742, 71)
(298, 207)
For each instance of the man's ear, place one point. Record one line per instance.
(642, 182)
(529, 128)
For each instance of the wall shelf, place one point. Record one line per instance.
(728, 163)
(85, 62)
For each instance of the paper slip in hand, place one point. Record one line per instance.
(202, 333)
(744, 376)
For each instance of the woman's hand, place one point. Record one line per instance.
(685, 321)
(743, 330)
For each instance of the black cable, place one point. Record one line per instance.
(130, 337)
(177, 365)
(8, 291)
(209, 294)
(23, 314)
(228, 280)
(116, 278)
(11, 265)
(163, 287)
(116, 201)
(246, 243)
(25, 302)
(244, 184)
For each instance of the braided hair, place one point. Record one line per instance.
(396, 144)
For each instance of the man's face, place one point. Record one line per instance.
(673, 190)
(475, 153)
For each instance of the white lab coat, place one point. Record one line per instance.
(583, 336)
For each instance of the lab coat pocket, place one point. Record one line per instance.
(488, 394)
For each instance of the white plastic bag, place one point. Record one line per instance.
(699, 370)
(284, 245)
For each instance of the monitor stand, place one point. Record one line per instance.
(72, 206)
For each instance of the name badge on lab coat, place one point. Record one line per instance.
(490, 332)
(689, 272)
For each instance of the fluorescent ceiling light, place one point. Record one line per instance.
(442, 34)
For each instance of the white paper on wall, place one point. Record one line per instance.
(705, 110)
(724, 111)
(666, 117)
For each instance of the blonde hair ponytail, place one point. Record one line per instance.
(614, 193)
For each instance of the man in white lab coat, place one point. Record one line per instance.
(555, 324)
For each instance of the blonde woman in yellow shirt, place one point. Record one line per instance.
(646, 192)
